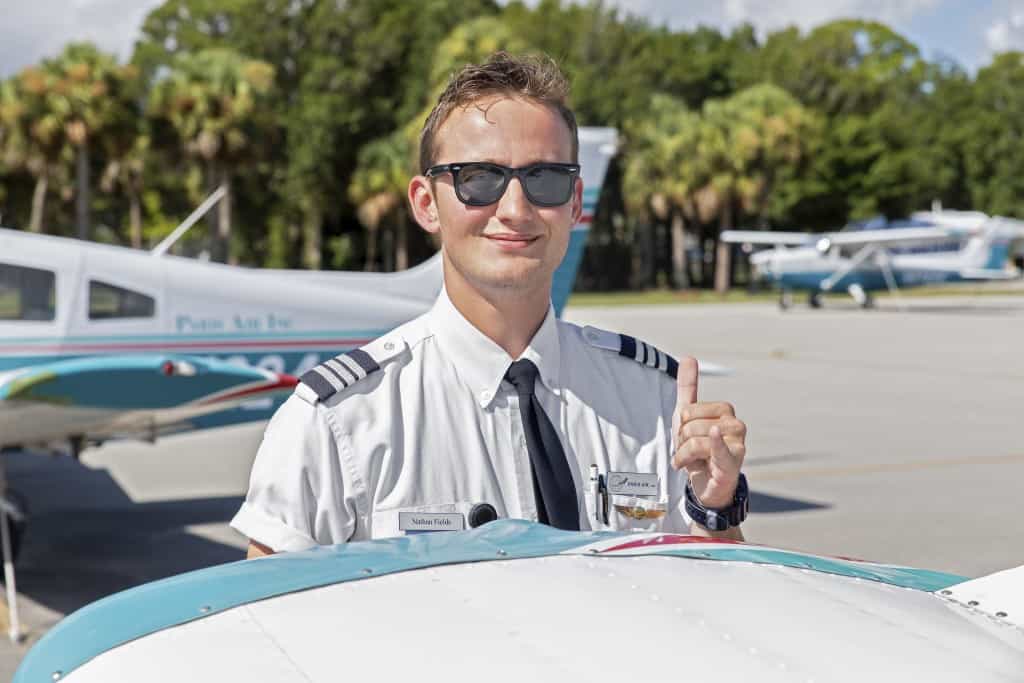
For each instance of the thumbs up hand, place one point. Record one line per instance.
(709, 441)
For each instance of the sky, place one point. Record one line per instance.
(967, 31)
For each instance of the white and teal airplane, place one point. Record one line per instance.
(100, 342)
(862, 261)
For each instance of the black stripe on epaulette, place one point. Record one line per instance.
(648, 355)
(340, 372)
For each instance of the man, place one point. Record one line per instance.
(487, 406)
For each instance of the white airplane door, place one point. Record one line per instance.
(120, 306)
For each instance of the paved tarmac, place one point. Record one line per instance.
(886, 435)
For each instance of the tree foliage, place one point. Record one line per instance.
(309, 111)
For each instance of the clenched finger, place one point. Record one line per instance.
(700, 449)
(729, 426)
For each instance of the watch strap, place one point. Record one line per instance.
(719, 519)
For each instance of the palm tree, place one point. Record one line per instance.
(89, 91)
(663, 173)
(378, 190)
(34, 134)
(127, 156)
(215, 101)
(748, 141)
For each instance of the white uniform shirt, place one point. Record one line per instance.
(437, 430)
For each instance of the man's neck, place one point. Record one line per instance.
(509, 317)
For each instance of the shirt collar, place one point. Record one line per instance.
(480, 361)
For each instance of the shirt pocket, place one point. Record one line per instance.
(418, 519)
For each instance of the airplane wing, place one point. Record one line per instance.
(778, 239)
(890, 237)
(102, 396)
(523, 601)
(893, 237)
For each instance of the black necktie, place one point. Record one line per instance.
(552, 480)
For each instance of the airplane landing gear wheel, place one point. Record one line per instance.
(869, 301)
(814, 300)
(785, 299)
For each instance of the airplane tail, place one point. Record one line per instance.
(597, 146)
(988, 251)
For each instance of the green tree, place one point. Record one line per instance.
(215, 102)
(995, 128)
(128, 155)
(34, 139)
(88, 92)
(378, 188)
(662, 175)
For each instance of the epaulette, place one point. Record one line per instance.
(631, 347)
(347, 368)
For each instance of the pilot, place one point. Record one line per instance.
(488, 405)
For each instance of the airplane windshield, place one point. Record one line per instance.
(26, 293)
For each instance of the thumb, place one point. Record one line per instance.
(686, 383)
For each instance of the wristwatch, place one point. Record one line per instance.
(720, 519)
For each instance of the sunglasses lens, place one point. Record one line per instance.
(478, 184)
(548, 185)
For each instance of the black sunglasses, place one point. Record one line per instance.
(479, 183)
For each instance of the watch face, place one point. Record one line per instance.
(714, 522)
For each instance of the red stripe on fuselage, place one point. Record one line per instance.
(283, 382)
(670, 539)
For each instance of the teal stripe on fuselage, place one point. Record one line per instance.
(190, 338)
(153, 607)
(288, 361)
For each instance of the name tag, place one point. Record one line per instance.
(430, 521)
(633, 484)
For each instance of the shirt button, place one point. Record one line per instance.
(485, 395)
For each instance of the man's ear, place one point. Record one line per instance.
(577, 201)
(423, 204)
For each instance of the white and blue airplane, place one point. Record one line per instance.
(516, 601)
(863, 261)
(100, 342)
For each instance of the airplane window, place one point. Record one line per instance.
(107, 301)
(26, 293)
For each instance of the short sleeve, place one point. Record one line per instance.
(297, 496)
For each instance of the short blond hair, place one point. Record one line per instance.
(532, 77)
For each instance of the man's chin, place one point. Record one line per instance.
(523, 277)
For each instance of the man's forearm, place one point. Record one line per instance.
(257, 549)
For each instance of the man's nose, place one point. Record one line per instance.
(514, 207)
